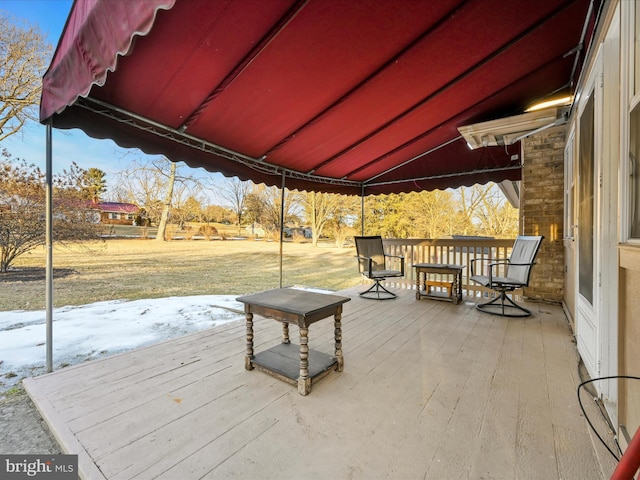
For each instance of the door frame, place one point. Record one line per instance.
(588, 331)
(609, 228)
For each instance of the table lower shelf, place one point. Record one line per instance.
(283, 362)
(455, 298)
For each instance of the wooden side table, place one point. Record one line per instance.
(453, 291)
(287, 361)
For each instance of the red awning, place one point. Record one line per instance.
(340, 95)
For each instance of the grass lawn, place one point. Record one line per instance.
(135, 269)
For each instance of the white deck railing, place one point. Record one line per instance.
(449, 251)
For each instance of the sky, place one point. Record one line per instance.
(68, 145)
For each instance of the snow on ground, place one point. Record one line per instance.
(100, 329)
(88, 332)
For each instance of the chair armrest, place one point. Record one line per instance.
(492, 266)
(491, 261)
(401, 261)
(367, 265)
(504, 262)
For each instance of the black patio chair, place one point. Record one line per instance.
(517, 270)
(372, 263)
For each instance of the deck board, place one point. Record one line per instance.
(429, 390)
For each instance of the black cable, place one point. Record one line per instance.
(583, 374)
(585, 413)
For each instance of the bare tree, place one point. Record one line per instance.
(142, 185)
(235, 191)
(23, 59)
(434, 214)
(496, 216)
(320, 208)
(162, 226)
(343, 219)
(264, 206)
(153, 185)
(471, 199)
(487, 211)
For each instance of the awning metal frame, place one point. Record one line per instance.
(261, 164)
(147, 125)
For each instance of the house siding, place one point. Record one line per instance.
(629, 332)
(542, 207)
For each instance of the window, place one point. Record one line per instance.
(586, 201)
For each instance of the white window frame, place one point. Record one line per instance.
(569, 187)
(630, 99)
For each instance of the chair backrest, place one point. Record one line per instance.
(524, 252)
(370, 247)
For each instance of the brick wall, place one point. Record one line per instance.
(541, 211)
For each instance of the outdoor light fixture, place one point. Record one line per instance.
(558, 102)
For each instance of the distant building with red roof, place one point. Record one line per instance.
(116, 213)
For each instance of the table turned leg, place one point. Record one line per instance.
(338, 337)
(304, 382)
(417, 284)
(248, 359)
(285, 333)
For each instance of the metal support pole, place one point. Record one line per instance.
(49, 248)
(284, 175)
(362, 212)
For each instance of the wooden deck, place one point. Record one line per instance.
(429, 390)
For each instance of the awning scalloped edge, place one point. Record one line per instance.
(90, 47)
